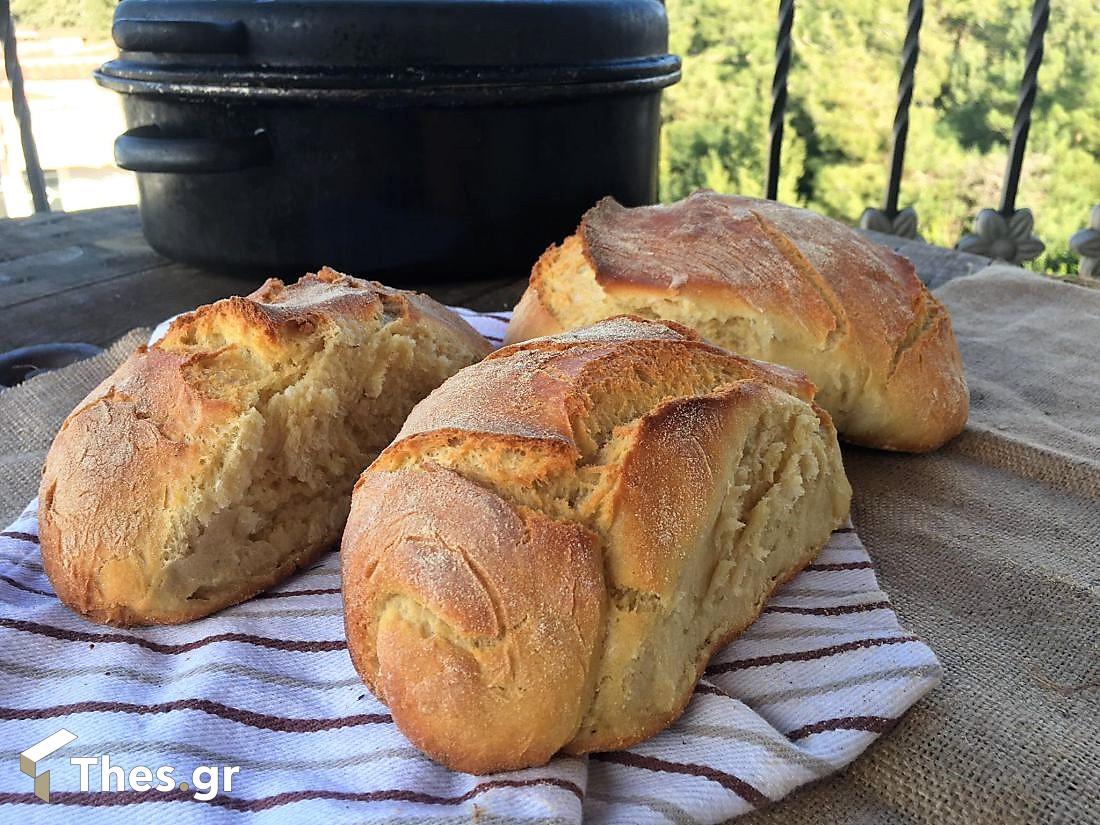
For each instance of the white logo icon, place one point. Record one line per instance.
(29, 759)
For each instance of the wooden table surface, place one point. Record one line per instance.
(90, 277)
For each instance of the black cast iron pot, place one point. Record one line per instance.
(404, 139)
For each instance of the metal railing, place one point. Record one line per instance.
(35, 179)
(1004, 232)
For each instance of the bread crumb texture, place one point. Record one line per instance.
(774, 282)
(214, 463)
(561, 536)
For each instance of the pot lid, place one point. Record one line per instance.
(392, 34)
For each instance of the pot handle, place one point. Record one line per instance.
(148, 149)
(179, 36)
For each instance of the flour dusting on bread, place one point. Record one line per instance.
(769, 281)
(614, 503)
(216, 462)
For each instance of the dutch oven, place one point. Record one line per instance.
(404, 139)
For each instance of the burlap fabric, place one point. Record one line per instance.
(31, 413)
(989, 548)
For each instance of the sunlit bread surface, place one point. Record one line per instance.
(561, 536)
(216, 462)
(774, 282)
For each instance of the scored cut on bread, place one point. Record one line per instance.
(562, 534)
(773, 282)
(214, 463)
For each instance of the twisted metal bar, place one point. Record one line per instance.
(35, 178)
(779, 96)
(1006, 233)
(1040, 16)
(909, 53)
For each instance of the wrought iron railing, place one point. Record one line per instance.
(1004, 232)
(35, 179)
(889, 219)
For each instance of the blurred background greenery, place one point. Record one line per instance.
(840, 112)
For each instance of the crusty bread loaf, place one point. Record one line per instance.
(214, 463)
(561, 536)
(773, 282)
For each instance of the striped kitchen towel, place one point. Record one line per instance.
(256, 712)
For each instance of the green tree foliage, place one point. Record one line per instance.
(841, 107)
(88, 18)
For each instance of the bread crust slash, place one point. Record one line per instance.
(774, 282)
(561, 536)
(213, 464)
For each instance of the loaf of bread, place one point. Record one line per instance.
(772, 282)
(561, 536)
(216, 462)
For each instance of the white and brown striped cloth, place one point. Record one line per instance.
(268, 686)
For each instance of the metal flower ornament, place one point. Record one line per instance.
(1005, 233)
(1004, 238)
(1086, 243)
(903, 224)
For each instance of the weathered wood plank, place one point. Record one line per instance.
(504, 296)
(73, 266)
(466, 294)
(90, 276)
(43, 232)
(103, 311)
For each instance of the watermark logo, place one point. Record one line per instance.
(205, 781)
(29, 759)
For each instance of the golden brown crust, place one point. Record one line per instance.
(529, 315)
(619, 499)
(428, 556)
(541, 376)
(280, 312)
(773, 282)
(177, 449)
